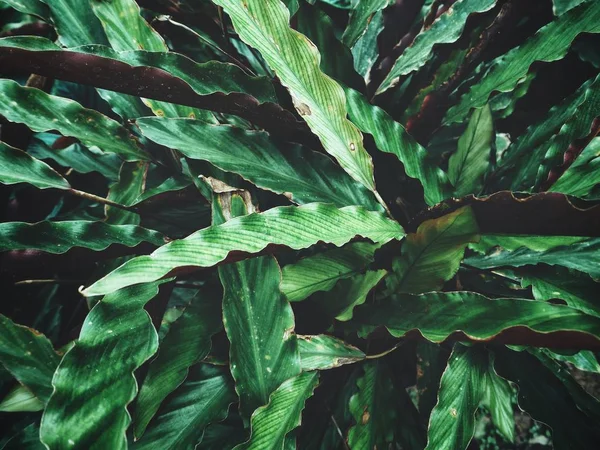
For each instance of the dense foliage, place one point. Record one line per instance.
(312, 224)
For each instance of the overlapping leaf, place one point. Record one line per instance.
(583, 175)
(437, 316)
(43, 112)
(271, 423)
(469, 164)
(548, 44)
(187, 342)
(94, 381)
(323, 352)
(33, 7)
(75, 22)
(322, 271)
(16, 166)
(28, 356)
(302, 175)
(192, 407)
(361, 15)
(60, 237)
(432, 255)
(583, 256)
(546, 399)
(391, 137)
(513, 242)
(264, 25)
(21, 399)
(468, 381)
(293, 227)
(446, 29)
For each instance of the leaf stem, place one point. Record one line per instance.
(384, 353)
(99, 199)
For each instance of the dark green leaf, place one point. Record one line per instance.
(360, 17)
(583, 175)
(16, 166)
(60, 237)
(34, 7)
(323, 352)
(28, 356)
(75, 22)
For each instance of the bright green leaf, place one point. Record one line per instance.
(324, 352)
(20, 399)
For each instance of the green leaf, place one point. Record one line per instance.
(549, 44)
(302, 175)
(129, 187)
(60, 237)
(432, 255)
(373, 408)
(271, 423)
(583, 256)
(320, 29)
(578, 290)
(445, 30)
(293, 227)
(366, 51)
(76, 156)
(562, 6)
(258, 320)
(33, 7)
(528, 151)
(16, 166)
(75, 23)
(430, 368)
(125, 27)
(469, 164)
(43, 112)
(437, 316)
(583, 175)
(29, 357)
(324, 352)
(322, 271)
(26, 439)
(468, 381)
(513, 242)
(359, 19)
(584, 360)
(264, 25)
(391, 137)
(187, 342)
(94, 382)
(349, 293)
(545, 398)
(20, 399)
(192, 407)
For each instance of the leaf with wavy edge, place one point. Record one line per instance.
(545, 214)
(264, 25)
(288, 226)
(545, 398)
(181, 422)
(300, 174)
(33, 7)
(125, 27)
(549, 44)
(512, 242)
(26, 439)
(468, 165)
(29, 357)
(445, 30)
(124, 191)
(432, 255)
(468, 381)
(584, 360)
(187, 342)
(360, 16)
(75, 23)
(272, 422)
(391, 137)
(21, 399)
(322, 271)
(583, 175)
(104, 71)
(60, 237)
(258, 319)
(578, 290)
(43, 112)
(470, 316)
(583, 256)
(16, 166)
(562, 6)
(322, 352)
(339, 303)
(366, 51)
(94, 381)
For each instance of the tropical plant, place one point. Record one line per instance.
(266, 224)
